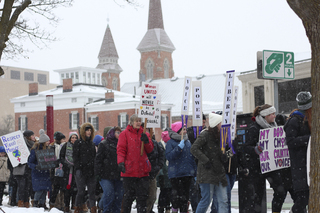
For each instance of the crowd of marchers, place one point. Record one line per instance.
(108, 173)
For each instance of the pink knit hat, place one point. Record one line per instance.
(176, 126)
(165, 136)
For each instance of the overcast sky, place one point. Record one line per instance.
(210, 36)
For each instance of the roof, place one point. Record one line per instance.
(213, 90)
(108, 48)
(155, 15)
(156, 39)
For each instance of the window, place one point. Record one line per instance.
(28, 76)
(73, 120)
(166, 68)
(84, 77)
(62, 77)
(42, 79)
(22, 104)
(95, 122)
(258, 96)
(89, 77)
(149, 69)
(115, 84)
(72, 76)
(98, 78)
(164, 122)
(77, 77)
(93, 78)
(45, 122)
(123, 120)
(73, 100)
(23, 123)
(15, 74)
(67, 75)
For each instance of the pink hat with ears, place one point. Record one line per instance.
(165, 136)
(177, 126)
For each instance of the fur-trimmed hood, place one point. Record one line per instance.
(83, 131)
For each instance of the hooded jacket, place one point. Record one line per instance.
(84, 152)
(128, 151)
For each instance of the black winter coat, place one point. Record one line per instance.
(297, 137)
(84, 153)
(106, 161)
(157, 159)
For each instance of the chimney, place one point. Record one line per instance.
(109, 96)
(67, 85)
(33, 89)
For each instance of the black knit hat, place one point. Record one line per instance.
(59, 136)
(28, 133)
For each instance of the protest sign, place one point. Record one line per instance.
(234, 113)
(275, 153)
(149, 93)
(46, 159)
(186, 96)
(197, 103)
(155, 122)
(16, 148)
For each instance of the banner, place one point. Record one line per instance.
(155, 122)
(197, 103)
(234, 113)
(149, 93)
(186, 96)
(275, 153)
(46, 159)
(16, 148)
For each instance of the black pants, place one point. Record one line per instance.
(180, 193)
(57, 186)
(2, 186)
(82, 182)
(301, 201)
(164, 199)
(23, 187)
(135, 188)
(68, 193)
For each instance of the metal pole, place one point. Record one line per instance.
(50, 124)
(276, 101)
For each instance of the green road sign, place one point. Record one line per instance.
(277, 64)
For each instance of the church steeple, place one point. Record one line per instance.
(108, 60)
(155, 15)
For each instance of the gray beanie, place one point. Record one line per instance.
(43, 137)
(304, 100)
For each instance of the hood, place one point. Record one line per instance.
(83, 131)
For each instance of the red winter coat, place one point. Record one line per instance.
(129, 150)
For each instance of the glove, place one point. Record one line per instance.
(208, 165)
(78, 173)
(122, 167)
(258, 149)
(144, 138)
(229, 153)
(181, 144)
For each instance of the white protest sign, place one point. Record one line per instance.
(16, 148)
(275, 154)
(186, 96)
(197, 103)
(234, 113)
(156, 121)
(227, 103)
(148, 99)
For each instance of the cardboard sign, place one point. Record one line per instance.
(16, 148)
(186, 96)
(46, 159)
(149, 93)
(197, 103)
(155, 122)
(275, 155)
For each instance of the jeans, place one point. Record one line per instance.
(112, 195)
(231, 179)
(40, 196)
(207, 192)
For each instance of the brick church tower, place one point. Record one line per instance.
(156, 47)
(108, 60)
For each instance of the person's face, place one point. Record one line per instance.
(33, 137)
(73, 138)
(116, 134)
(88, 133)
(2, 154)
(137, 124)
(47, 143)
(270, 118)
(183, 131)
(63, 140)
(203, 123)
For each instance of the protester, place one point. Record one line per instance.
(4, 171)
(264, 117)
(108, 173)
(182, 166)
(298, 132)
(69, 183)
(84, 154)
(41, 182)
(135, 166)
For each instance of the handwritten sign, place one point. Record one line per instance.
(16, 148)
(46, 159)
(155, 122)
(197, 103)
(186, 96)
(275, 155)
(149, 93)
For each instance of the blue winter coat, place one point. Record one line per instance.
(40, 178)
(181, 161)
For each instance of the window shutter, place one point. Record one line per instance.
(97, 120)
(167, 121)
(127, 120)
(78, 120)
(161, 119)
(119, 121)
(19, 123)
(70, 121)
(45, 122)
(26, 123)
(89, 119)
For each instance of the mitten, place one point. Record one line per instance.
(258, 149)
(144, 138)
(122, 167)
(229, 153)
(181, 144)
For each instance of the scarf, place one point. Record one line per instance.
(175, 136)
(69, 153)
(263, 123)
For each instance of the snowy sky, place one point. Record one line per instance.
(210, 37)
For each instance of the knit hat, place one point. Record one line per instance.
(165, 136)
(43, 137)
(28, 133)
(214, 119)
(97, 139)
(176, 127)
(304, 100)
(59, 136)
(73, 133)
(2, 149)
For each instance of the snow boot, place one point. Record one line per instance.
(77, 209)
(20, 203)
(93, 209)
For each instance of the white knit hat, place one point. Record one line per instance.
(214, 119)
